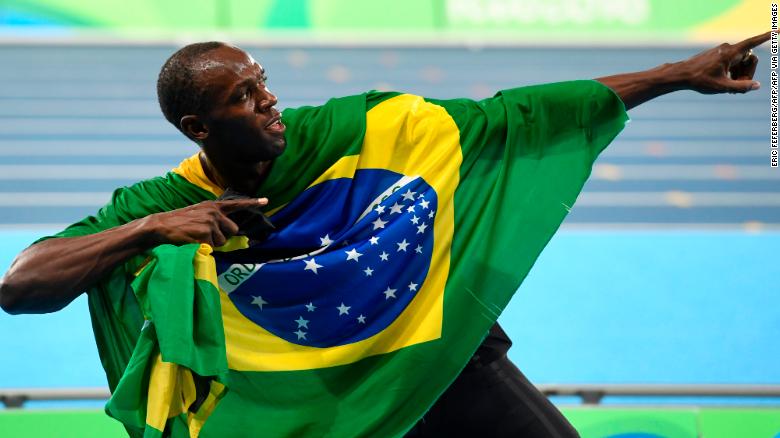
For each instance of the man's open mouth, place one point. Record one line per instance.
(275, 125)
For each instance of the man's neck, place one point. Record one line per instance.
(245, 179)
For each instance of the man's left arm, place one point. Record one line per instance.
(727, 68)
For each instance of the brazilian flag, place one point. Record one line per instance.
(404, 225)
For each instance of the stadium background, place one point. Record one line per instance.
(664, 273)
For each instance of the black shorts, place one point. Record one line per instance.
(493, 400)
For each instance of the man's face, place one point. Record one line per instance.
(242, 124)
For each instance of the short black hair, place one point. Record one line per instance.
(178, 92)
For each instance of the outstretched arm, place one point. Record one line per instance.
(727, 68)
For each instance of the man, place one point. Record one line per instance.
(217, 96)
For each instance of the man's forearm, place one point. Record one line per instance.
(637, 88)
(727, 68)
(49, 275)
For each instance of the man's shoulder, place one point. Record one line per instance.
(161, 193)
(166, 183)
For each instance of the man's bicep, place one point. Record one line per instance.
(529, 121)
(482, 125)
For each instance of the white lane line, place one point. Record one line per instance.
(608, 227)
(44, 228)
(83, 171)
(54, 199)
(678, 199)
(683, 148)
(90, 148)
(24, 127)
(633, 172)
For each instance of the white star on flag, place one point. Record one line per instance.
(301, 334)
(361, 319)
(259, 301)
(418, 250)
(310, 307)
(374, 240)
(415, 219)
(412, 287)
(389, 293)
(325, 241)
(402, 245)
(383, 256)
(409, 195)
(368, 271)
(311, 265)
(410, 209)
(421, 228)
(430, 215)
(396, 208)
(343, 310)
(302, 322)
(380, 209)
(352, 254)
(379, 223)
(424, 204)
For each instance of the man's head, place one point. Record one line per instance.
(216, 95)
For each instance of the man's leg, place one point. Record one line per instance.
(493, 399)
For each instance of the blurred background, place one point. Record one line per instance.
(661, 286)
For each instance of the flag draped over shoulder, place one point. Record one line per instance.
(404, 227)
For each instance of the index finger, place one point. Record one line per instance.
(754, 41)
(231, 205)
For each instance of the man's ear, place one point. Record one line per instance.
(194, 128)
